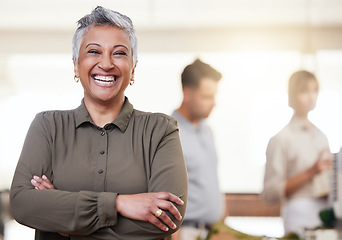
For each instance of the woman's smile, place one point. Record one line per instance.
(105, 81)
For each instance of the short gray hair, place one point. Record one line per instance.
(102, 16)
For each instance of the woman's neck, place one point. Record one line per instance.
(303, 116)
(103, 113)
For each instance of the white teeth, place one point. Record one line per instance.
(103, 83)
(105, 78)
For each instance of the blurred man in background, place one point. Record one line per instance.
(205, 205)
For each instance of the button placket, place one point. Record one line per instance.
(101, 160)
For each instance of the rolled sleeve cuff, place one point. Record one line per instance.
(107, 209)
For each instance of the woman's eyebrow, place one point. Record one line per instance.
(96, 44)
(116, 46)
(120, 45)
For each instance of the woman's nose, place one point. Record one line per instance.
(106, 63)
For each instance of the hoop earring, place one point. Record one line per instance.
(77, 79)
(132, 82)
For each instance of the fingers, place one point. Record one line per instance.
(323, 165)
(42, 183)
(166, 205)
(171, 197)
(161, 215)
(166, 202)
(324, 161)
(155, 221)
(326, 165)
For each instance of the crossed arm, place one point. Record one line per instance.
(143, 206)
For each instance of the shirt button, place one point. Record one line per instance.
(102, 152)
(108, 127)
(100, 171)
(102, 133)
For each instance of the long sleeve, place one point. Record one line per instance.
(78, 213)
(166, 172)
(275, 172)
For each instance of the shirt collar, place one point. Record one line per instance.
(82, 115)
(121, 121)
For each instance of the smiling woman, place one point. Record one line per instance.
(103, 170)
(105, 67)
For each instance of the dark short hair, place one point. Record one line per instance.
(194, 72)
(298, 79)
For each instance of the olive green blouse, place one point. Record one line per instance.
(138, 152)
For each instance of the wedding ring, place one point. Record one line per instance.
(158, 213)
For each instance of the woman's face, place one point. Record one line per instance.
(105, 64)
(306, 97)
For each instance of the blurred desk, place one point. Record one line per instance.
(257, 226)
(249, 204)
(247, 213)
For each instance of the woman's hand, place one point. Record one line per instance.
(44, 183)
(148, 206)
(323, 163)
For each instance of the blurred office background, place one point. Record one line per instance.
(256, 44)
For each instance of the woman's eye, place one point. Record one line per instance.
(120, 53)
(93, 51)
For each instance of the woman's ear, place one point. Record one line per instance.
(135, 65)
(76, 68)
